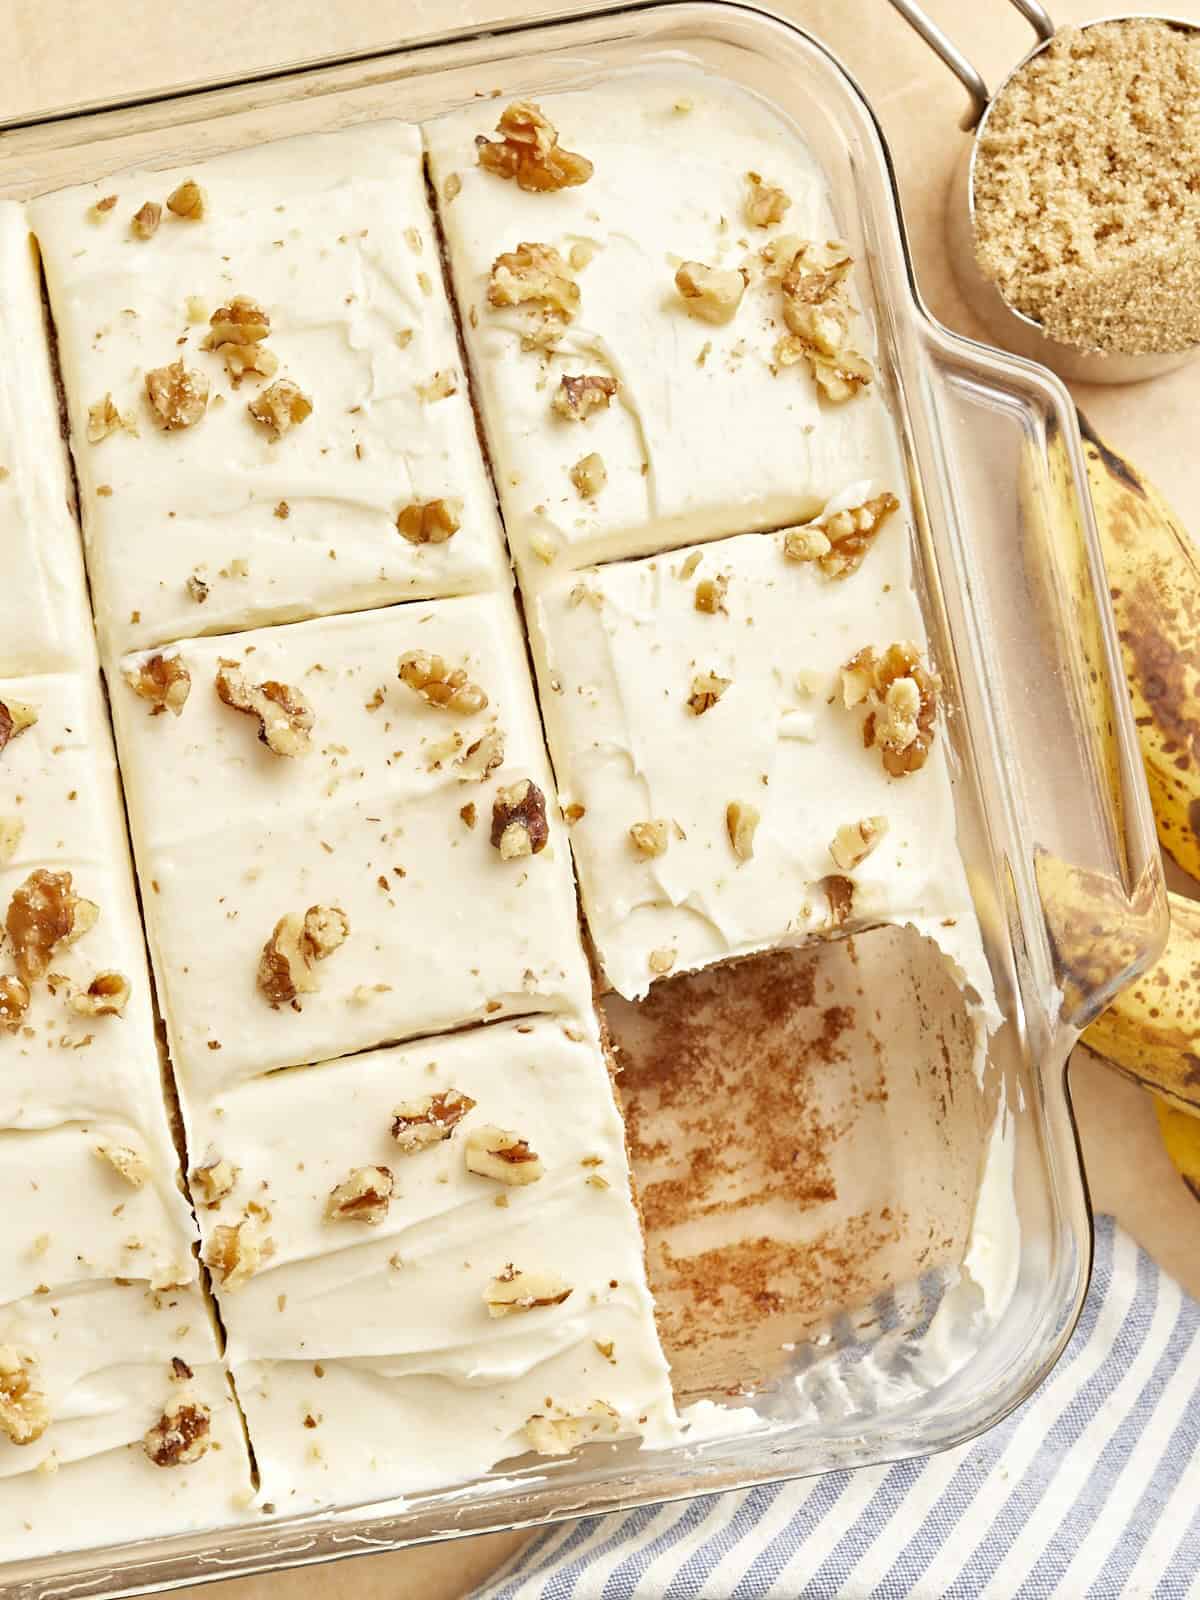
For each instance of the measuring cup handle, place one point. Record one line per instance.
(944, 47)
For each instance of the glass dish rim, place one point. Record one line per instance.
(969, 351)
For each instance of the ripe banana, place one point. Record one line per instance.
(1181, 1135)
(1152, 1029)
(1154, 579)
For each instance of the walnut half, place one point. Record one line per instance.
(280, 407)
(297, 943)
(236, 1253)
(515, 1291)
(528, 150)
(106, 996)
(577, 397)
(285, 717)
(519, 826)
(854, 841)
(14, 1002)
(178, 395)
(710, 293)
(901, 695)
(162, 680)
(15, 718)
(430, 521)
(534, 275)
(493, 1152)
(43, 914)
(420, 1124)
(24, 1414)
(363, 1196)
(180, 1436)
(434, 680)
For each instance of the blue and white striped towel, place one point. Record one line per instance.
(1091, 1488)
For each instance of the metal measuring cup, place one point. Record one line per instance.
(1009, 327)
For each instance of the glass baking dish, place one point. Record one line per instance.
(876, 1355)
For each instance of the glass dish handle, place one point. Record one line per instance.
(1041, 671)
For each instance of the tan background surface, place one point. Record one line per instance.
(60, 52)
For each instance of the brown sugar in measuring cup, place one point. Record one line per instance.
(1074, 214)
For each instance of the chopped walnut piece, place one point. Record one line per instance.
(710, 594)
(452, 187)
(430, 521)
(493, 1152)
(102, 207)
(431, 677)
(124, 1161)
(285, 717)
(197, 588)
(419, 1124)
(178, 395)
(482, 758)
(14, 1002)
(514, 1290)
(661, 961)
(577, 397)
(650, 838)
(180, 1436)
(280, 407)
(519, 826)
(215, 1180)
(236, 1253)
(589, 475)
(534, 275)
(188, 201)
(440, 386)
(854, 841)
(163, 680)
(248, 361)
(839, 893)
(145, 220)
(43, 914)
(807, 542)
(765, 203)
(106, 996)
(104, 418)
(24, 1414)
(850, 533)
(528, 150)
(242, 321)
(707, 689)
(710, 293)
(15, 717)
(364, 1196)
(741, 822)
(297, 943)
(817, 313)
(901, 695)
(12, 831)
(558, 1436)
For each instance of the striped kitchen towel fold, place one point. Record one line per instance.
(1091, 1488)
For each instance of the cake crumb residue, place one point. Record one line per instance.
(1087, 188)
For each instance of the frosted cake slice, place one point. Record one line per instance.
(650, 305)
(139, 1432)
(735, 787)
(445, 1274)
(347, 835)
(45, 624)
(268, 413)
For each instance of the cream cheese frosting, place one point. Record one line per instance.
(366, 1357)
(45, 624)
(619, 651)
(105, 1357)
(706, 434)
(99, 1282)
(219, 525)
(388, 818)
